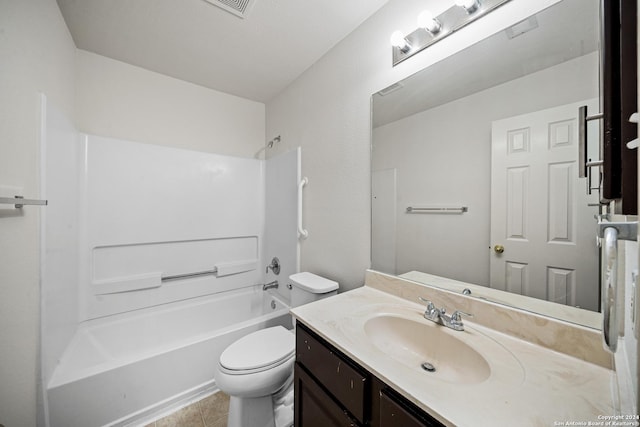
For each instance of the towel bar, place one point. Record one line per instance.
(437, 209)
(19, 201)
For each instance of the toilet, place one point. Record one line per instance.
(256, 371)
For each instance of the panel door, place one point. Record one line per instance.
(540, 211)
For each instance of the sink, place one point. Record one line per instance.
(413, 342)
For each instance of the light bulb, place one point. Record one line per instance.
(399, 41)
(469, 5)
(428, 22)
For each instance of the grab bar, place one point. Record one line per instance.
(303, 233)
(19, 201)
(219, 270)
(461, 209)
(611, 232)
(188, 275)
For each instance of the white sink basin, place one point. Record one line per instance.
(413, 342)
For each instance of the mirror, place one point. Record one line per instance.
(474, 168)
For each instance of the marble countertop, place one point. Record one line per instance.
(529, 385)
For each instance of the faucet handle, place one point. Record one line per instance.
(457, 315)
(274, 266)
(430, 304)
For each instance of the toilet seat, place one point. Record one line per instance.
(259, 351)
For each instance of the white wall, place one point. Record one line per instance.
(119, 100)
(37, 54)
(436, 152)
(327, 112)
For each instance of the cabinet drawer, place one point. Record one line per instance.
(339, 376)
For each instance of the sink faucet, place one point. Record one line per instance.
(441, 317)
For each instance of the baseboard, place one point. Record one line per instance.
(167, 406)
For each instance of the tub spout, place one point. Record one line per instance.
(270, 285)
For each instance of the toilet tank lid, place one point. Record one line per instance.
(313, 283)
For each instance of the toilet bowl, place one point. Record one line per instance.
(252, 371)
(256, 371)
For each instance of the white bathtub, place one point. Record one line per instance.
(124, 369)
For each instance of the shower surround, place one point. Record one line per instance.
(128, 330)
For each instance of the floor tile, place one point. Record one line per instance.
(186, 417)
(215, 409)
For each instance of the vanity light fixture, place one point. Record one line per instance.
(469, 5)
(427, 21)
(400, 42)
(434, 28)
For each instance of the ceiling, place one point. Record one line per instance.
(254, 57)
(566, 30)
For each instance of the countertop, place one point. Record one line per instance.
(529, 385)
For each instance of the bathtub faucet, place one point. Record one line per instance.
(270, 285)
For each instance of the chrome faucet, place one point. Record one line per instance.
(270, 285)
(441, 317)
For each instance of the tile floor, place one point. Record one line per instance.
(209, 412)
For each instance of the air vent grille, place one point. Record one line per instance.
(237, 7)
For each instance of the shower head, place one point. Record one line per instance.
(274, 140)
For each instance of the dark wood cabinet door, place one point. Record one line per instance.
(314, 407)
(393, 413)
(340, 376)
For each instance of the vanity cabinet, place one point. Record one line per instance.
(333, 390)
(320, 409)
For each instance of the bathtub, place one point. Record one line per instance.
(129, 368)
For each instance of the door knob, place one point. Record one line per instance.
(498, 249)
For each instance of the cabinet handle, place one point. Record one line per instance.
(584, 165)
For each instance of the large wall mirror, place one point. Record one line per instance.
(475, 168)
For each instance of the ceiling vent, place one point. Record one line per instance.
(239, 8)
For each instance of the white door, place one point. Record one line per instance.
(383, 220)
(540, 211)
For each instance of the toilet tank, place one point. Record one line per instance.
(308, 287)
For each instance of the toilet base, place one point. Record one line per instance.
(251, 412)
(267, 411)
